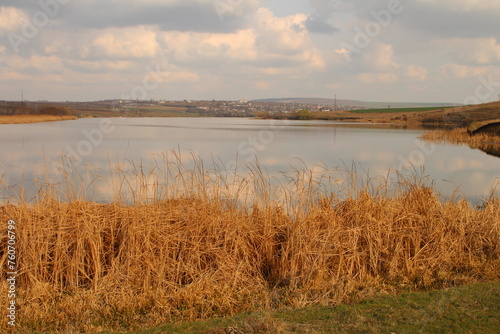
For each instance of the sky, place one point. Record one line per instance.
(371, 50)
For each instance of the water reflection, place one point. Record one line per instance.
(32, 151)
(491, 149)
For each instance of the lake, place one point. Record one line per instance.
(31, 151)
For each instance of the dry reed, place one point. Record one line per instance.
(182, 242)
(24, 119)
(460, 136)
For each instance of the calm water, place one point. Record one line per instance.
(27, 149)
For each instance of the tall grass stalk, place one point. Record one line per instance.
(460, 136)
(177, 240)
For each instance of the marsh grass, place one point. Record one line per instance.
(460, 136)
(179, 241)
(24, 119)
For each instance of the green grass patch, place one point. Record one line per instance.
(467, 309)
(396, 110)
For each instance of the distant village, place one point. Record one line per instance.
(241, 108)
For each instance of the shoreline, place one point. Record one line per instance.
(29, 119)
(389, 123)
(428, 117)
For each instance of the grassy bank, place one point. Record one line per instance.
(24, 119)
(209, 244)
(466, 309)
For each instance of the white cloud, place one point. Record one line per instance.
(280, 35)
(270, 43)
(31, 68)
(194, 47)
(416, 72)
(126, 43)
(12, 19)
(380, 57)
(457, 71)
(285, 40)
(481, 51)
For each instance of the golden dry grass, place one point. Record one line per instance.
(460, 136)
(24, 119)
(202, 247)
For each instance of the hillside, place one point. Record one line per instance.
(354, 103)
(447, 117)
(458, 116)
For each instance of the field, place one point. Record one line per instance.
(396, 110)
(179, 243)
(24, 119)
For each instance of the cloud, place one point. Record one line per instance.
(317, 25)
(271, 43)
(246, 48)
(473, 51)
(170, 15)
(415, 72)
(448, 19)
(380, 58)
(194, 47)
(280, 35)
(12, 19)
(323, 8)
(125, 43)
(31, 68)
(317, 22)
(91, 66)
(463, 5)
(458, 71)
(284, 42)
(181, 77)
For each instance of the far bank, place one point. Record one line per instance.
(24, 119)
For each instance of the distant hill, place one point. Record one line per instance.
(354, 103)
(463, 115)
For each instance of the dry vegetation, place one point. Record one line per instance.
(193, 243)
(23, 119)
(460, 136)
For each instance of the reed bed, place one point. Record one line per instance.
(460, 136)
(24, 119)
(203, 243)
